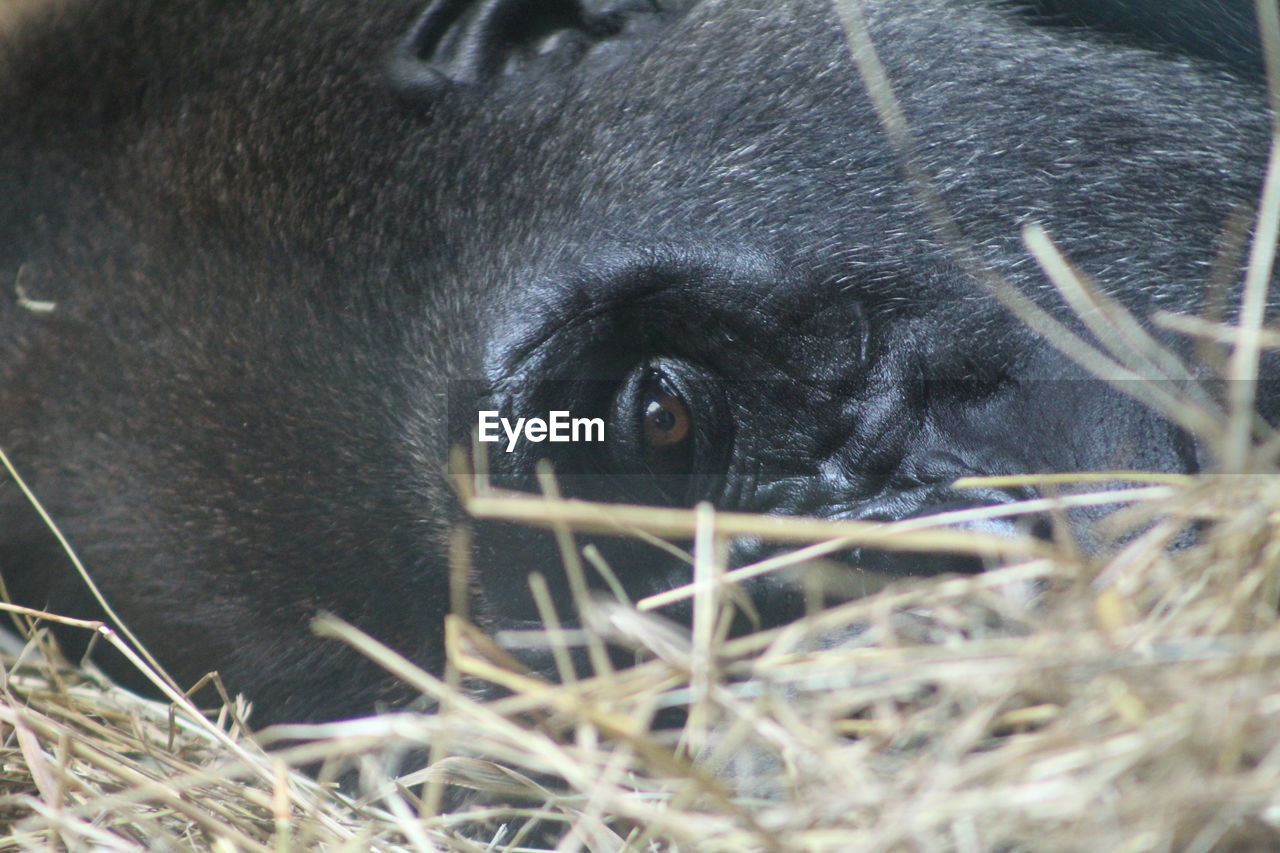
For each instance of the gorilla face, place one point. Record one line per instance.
(752, 301)
(294, 253)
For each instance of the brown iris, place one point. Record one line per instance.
(667, 421)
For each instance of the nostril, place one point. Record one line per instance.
(904, 564)
(785, 594)
(998, 517)
(985, 511)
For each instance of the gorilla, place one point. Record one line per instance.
(266, 264)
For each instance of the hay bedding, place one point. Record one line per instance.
(1134, 706)
(1131, 702)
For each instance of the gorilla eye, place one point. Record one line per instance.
(666, 431)
(667, 421)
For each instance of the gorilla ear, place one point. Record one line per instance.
(468, 41)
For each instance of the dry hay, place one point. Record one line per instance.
(1135, 705)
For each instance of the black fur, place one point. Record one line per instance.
(295, 246)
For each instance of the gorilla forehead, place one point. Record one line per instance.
(701, 137)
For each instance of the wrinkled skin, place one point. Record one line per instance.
(293, 250)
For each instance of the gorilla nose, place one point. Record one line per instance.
(982, 511)
(924, 564)
(785, 596)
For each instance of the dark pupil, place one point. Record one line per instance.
(661, 417)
